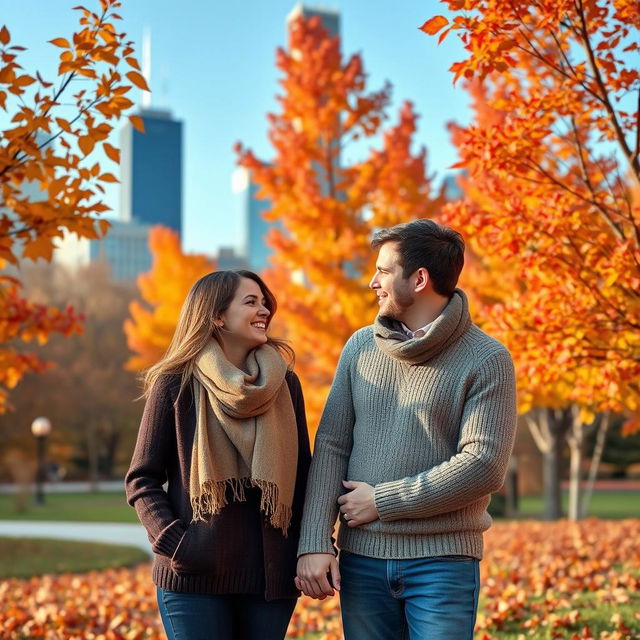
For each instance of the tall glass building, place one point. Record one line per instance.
(151, 171)
(124, 249)
(256, 227)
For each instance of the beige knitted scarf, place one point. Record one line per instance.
(246, 434)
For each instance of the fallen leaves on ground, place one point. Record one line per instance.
(538, 579)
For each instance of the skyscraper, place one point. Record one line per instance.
(125, 250)
(330, 18)
(256, 227)
(151, 171)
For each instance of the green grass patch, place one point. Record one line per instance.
(592, 613)
(27, 557)
(72, 507)
(606, 505)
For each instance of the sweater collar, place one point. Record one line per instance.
(443, 331)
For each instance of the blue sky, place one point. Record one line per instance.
(213, 66)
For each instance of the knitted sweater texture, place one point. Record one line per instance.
(430, 423)
(236, 551)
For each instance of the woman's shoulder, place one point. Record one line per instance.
(292, 379)
(167, 383)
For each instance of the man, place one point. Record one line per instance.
(415, 436)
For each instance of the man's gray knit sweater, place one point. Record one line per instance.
(429, 422)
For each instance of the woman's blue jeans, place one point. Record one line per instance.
(192, 616)
(421, 599)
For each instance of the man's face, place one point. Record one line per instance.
(393, 291)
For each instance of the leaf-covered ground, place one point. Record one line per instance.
(579, 581)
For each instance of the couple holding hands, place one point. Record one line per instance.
(414, 437)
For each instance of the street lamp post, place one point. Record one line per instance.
(41, 428)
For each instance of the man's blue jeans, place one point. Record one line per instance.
(421, 599)
(192, 616)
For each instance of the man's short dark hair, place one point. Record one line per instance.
(425, 243)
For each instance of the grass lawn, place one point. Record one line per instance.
(111, 507)
(24, 558)
(607, 505)
(73, 507)
(596, 616)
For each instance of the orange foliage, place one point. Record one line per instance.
(163, 289)
(536, 579)
(553, 173)
(69, 187)
(326, 209)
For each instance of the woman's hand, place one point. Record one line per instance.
(314, 570)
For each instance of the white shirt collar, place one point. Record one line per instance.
(410, 333)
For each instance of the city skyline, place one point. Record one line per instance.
(223, 91)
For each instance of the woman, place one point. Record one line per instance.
(224, 426)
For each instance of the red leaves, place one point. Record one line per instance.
(556, 240)
(433, 25)
(27, 321)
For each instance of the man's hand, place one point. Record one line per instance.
(358, 506)
(313, 569)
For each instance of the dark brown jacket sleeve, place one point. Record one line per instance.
(155, 450)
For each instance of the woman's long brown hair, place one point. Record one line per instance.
(209, 297)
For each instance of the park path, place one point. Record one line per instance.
(131, 535)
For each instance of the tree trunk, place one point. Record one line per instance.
(576, 437)
(603, 430)
(548, 428)
(576, 446)
(551, 478)
(92, 451)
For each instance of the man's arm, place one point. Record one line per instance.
(486, 439)
(332, 449)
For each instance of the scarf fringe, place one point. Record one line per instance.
(213, 497)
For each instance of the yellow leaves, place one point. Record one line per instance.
(69, 196)
(138, 79)
(164, 289)
(586, 416)
(137, 123)
(39, 247)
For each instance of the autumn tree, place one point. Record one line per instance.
(47, 148)
(556, 178)
(90, 400)
(326, 208)
(163, 290)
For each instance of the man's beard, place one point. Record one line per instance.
(402, 300)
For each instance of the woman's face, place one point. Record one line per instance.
(246, 319)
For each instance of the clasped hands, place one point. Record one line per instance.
(318, 573)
